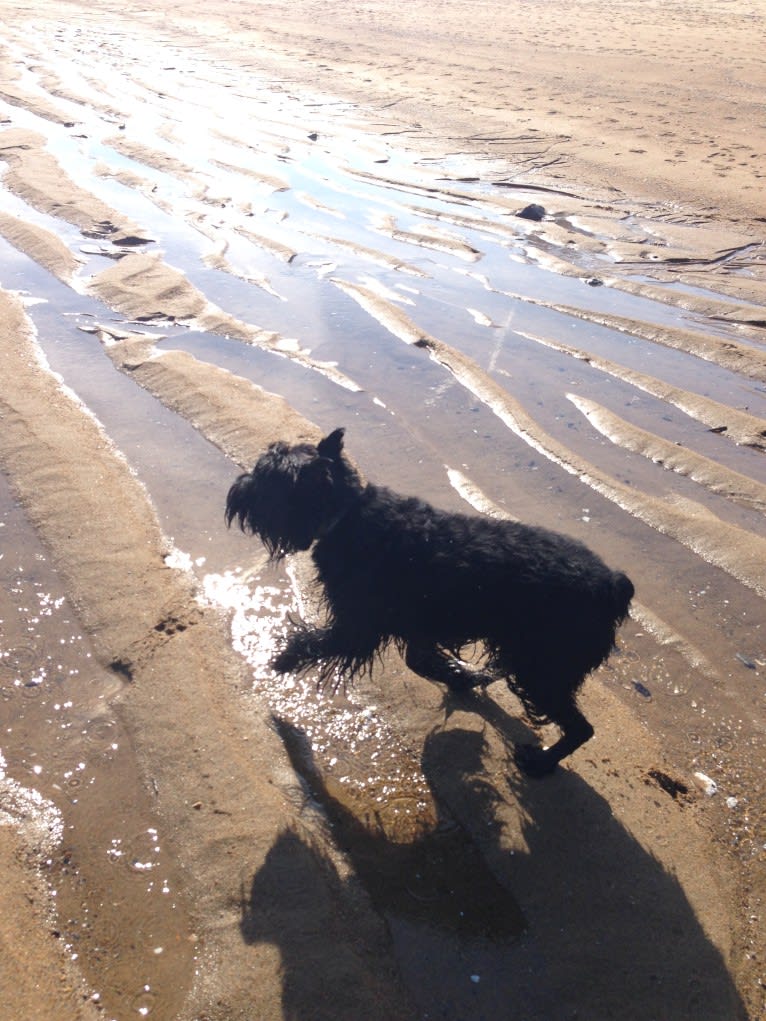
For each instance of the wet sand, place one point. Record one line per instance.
(260, 222)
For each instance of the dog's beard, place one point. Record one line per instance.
(280, 546)
(282, 526)
(283, 530)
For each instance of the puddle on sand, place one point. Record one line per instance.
(117, 893)
(417, 863)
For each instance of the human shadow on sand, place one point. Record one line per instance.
(606, 931)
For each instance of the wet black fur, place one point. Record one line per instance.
(395, 570)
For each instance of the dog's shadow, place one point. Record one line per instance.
(605, 917)
(576, 918)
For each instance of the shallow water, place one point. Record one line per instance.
(326, 242)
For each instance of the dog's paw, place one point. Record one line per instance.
(286, 661)
(534, 760)
(460, 677)
(482, 679)
(458, 682)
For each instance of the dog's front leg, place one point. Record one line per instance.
(336, 647)
(435, 664)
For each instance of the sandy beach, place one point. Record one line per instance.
(227, 225)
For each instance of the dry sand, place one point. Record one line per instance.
(656, 108)
(658, 104)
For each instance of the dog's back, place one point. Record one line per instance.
(479, 570)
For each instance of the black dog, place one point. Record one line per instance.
(396, 570)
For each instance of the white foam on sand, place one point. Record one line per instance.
(37, 820)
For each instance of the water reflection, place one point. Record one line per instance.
(360, 757)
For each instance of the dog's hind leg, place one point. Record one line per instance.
(575, 731)
(433, 663)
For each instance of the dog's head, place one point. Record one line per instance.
(293, 493)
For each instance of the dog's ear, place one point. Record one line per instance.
(332, 446)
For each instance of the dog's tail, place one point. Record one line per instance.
(622, 593)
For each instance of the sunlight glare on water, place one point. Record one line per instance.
(362, 759)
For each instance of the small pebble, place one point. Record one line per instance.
(534, 211)
(705, 784)
(745, 661)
